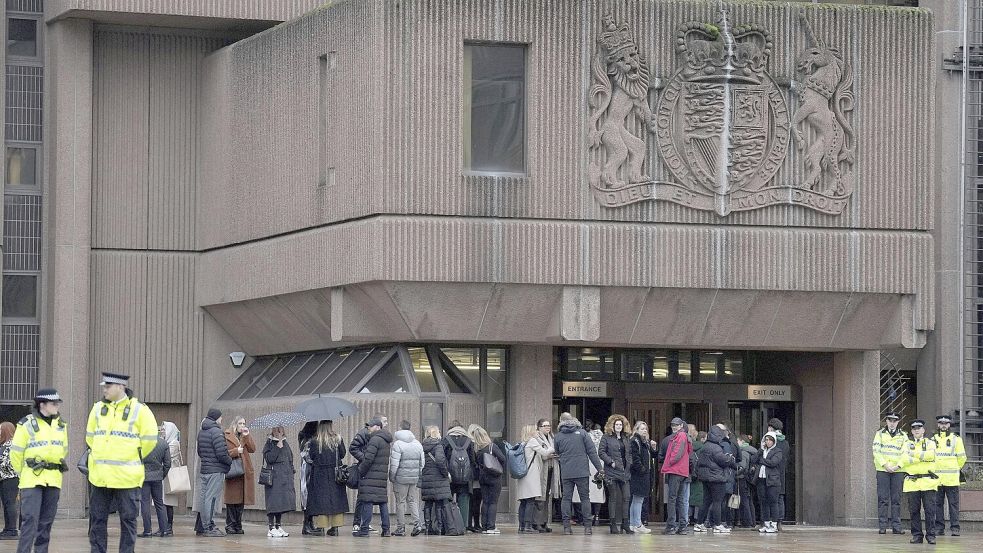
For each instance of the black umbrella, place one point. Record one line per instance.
(278, 419)
(326, 408)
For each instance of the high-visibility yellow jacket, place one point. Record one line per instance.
(919, 463)
(888, 448)
(950, 456)
(36, 441)
(119, 434)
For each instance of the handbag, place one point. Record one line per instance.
(341, 470)
(178, 480)
(266, 475)
(236, 470)
(353, 477)
(491, 464)
(734, 501)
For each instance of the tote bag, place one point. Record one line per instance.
(178, 480)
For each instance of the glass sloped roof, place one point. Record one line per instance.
(371, 369)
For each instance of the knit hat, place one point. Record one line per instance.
(214, 414)
(776, 424)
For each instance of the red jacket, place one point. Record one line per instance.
(677, 455)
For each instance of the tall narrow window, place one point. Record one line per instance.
(22, 37)
(495, 108)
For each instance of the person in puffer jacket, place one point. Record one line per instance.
(435, 485)
(214, 462)
(405, 469)
(714, 465)
(373, 481)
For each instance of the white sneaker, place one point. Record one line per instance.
(283, 533)
(699, 528)
(772, 527)
(272, 533)
(721, 529)
(643, 530)
(764, 527)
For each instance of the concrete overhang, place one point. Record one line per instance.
(381, 312)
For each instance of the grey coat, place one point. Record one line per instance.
(157, 463)
(575, 449)
(406, 459)
(281, 496)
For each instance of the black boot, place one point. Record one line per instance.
(626, 529)
(615, 529)
(309, 529)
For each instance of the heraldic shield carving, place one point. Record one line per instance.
(722, 125)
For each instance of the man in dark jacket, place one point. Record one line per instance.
(357, 450)
(776, 426)
(215, 462)
(373, 483)
(575, 448)
(155, 467)
(712, 470)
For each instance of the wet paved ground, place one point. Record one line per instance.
(69, 536)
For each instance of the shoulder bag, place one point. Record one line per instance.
(177, 480)
(341, 471)
(490, 463)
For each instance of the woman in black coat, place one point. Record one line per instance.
(642, 451)
(767, 464)
(435, 486)
(615, 453)
(712, 470)
(280, 494)
(373, 484)
(490, 481)
(325, 451)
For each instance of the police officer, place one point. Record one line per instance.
(888, 447)
(119, 431)
(921, 482)
(950, 456)
(37, 453)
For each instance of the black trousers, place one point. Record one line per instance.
(675, 502)
(474, 511)
(8, 498)
(566, 505)
(889, 485)
(489, 503)
(619, 499)
(233, 517)
(128, 504)
(952, 494)
(38, 506)
(152, 502)
(916, 502)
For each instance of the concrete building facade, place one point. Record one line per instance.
(495, 210)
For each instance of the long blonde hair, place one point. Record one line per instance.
(529, 432)
(480, 436)
(234, 427)
(431, 432)
(325, 436)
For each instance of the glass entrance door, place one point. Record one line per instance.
(751, 417)
(657, 415)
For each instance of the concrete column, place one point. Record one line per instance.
(530, 394)
(940, 366)
(68, 156)
(856, 402)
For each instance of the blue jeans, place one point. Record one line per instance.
(685, 493)
(366, 518)
(635, 510)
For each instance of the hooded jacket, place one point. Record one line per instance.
(575, 448)
(406, 459)
(213, 455)
(713, 461)
(374, 468)
(772, 460)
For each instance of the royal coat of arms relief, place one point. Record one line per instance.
(721, 125)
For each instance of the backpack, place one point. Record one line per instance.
(460, 468)
(515, 454)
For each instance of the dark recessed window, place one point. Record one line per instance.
(22, 37)
(495, 108)
(21, 166)
(20, 296)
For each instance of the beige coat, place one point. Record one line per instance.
(539, 449)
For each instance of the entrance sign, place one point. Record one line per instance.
(759, 392)
(585, 389)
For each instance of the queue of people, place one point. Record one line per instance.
(924, 468)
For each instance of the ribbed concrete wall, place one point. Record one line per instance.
(268, 10)
(596, 254)
(145, 120)
(419, 111)
(144, 322)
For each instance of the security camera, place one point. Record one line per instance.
(237, 357)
